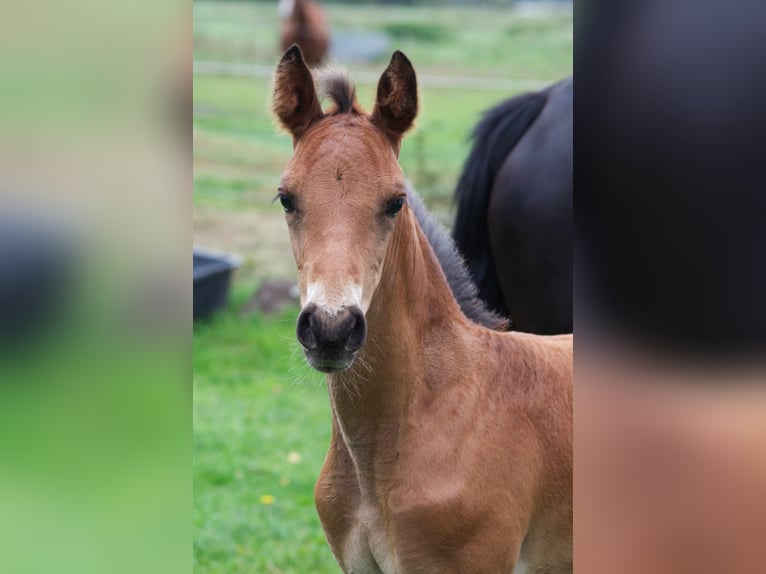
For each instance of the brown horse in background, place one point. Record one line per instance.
(304, 22)
(451, 445)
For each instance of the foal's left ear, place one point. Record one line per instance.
(295, 101)
(397, 102)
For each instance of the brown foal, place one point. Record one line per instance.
(451, 442)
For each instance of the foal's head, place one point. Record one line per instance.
(341, 192)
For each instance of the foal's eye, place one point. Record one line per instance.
(394, 206)
(287, 203)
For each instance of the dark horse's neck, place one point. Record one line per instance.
(412, 305)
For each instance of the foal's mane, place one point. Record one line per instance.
(335, 85)
(454, 267)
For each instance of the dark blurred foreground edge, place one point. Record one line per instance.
(670, 178)
(37, 263)
(670, 277)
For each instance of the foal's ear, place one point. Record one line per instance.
(295, 100)
(397, 102)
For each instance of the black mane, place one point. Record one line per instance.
(460, 283)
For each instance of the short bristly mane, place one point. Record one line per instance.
(336, 85)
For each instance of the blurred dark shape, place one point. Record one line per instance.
(671, 179)
(37, 269)
(304, 22)
(670, 198)
(514, 216)
(273, 296)
(212, 280)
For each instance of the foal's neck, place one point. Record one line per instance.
(412, 305)
(412, 298)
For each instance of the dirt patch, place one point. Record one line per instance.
(259, 238)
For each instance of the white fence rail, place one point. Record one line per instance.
(433, 81)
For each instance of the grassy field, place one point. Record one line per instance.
(260, 435)
(261, 417)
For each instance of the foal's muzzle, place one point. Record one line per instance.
(330, 341)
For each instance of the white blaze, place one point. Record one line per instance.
(335, 299)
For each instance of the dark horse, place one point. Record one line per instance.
(514, 209)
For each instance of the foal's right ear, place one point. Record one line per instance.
(295, 100)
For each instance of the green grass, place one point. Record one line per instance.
(261, 430)
(255, 401)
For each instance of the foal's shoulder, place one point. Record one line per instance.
(566, 340)
(535, 340)
(540, 352)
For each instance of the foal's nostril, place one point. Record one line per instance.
(305, 329)
(344, 332)
(358, 331)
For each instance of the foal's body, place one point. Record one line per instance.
(452, 442)
(447, 461)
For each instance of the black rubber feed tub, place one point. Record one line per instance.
(212, 280)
